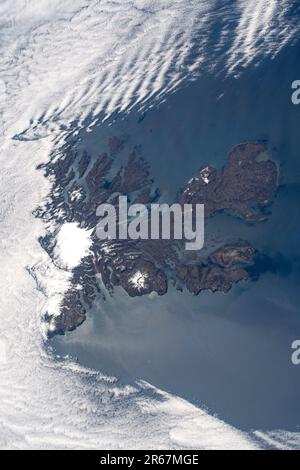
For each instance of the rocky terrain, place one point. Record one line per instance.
(245, 187)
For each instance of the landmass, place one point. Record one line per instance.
(244, 187)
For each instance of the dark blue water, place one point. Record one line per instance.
(230, 353)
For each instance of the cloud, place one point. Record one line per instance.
(76, 61)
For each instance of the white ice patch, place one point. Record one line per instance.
(107, 248)
(73, 244)
(205, 174)
(76, 195)
(138, 280)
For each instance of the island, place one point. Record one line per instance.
(245, 187)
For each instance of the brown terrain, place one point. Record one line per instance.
(244, 187)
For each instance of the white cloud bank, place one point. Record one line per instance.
(65, 61)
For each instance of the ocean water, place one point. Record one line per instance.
(230, 353)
